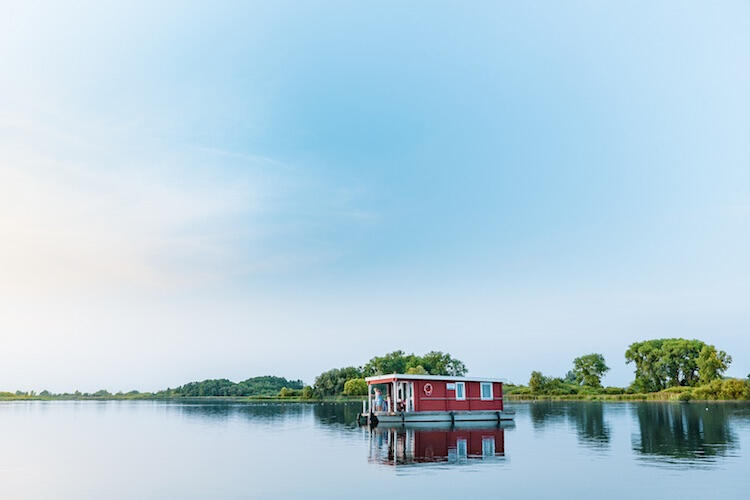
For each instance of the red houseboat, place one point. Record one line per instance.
(401, 398)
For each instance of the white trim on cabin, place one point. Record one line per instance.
(446, 378)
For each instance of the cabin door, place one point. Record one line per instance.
(406, 396)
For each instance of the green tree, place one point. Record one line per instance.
(434, 362)
(331, 382)
(712, 363)
(589, 369)
(439, 363)
(537, 382)
(646, 355)
(307, 392)
(417, 370)
(393, 362)
(662, 363)
(355, 387)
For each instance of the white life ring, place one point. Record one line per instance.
(428, 389)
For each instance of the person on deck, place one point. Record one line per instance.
(379, 400)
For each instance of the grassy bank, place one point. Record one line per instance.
(730, 389)
(654, 396)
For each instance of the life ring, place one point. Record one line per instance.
(428, 389)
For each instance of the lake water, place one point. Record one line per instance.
(158, 450)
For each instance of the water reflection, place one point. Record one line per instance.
(586, 418)
(684, 434)
(453, 445)
(542, 413)
(672, 434)
(590, 426)
(328, 414)
(337, 413)
(258, 412)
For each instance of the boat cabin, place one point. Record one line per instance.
(427, 398)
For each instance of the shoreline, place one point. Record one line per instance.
(619, 398)
(511, 398)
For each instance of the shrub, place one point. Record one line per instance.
(516, 389)
(307, 392)
(614, 390)
(733, 388)
(286, 392)
(355, 387)
(712, 390)
(685, 395)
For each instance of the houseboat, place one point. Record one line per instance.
(404, 398)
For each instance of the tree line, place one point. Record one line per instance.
(687, 368)
(350, 380)
(264, 386)
(256, 386)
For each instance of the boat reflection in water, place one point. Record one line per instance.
(411, 445)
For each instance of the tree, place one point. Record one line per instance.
(712, 363)
(434, 363)
(589, 369)
(439, 363)
(307, 392)
(417, 370)
(393, 362)
(537, 382)
(662, 363)
(331, 382)
(355, 387)
(645, 356)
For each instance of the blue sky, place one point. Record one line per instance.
(191, 191)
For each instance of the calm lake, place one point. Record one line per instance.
(150, 450)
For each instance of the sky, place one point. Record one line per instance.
(193, 191)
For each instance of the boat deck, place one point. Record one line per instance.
(435, 416)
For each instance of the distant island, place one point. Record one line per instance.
(665, 369)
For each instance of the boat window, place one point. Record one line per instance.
(487, 391)
(460, 391)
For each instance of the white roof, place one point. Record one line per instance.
(448, 378)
